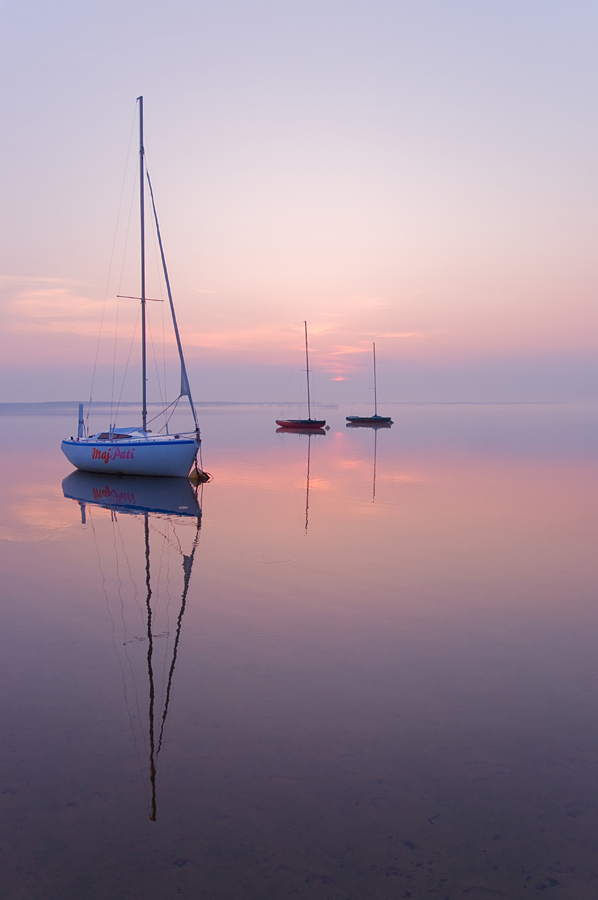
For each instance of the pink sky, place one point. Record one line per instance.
(423, 180)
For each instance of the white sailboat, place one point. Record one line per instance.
(137, 451)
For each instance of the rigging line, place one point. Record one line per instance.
(307, 372)
(118, 579)
(160, 277)
(115, 531)
(316, 403)
(153, 346)
(173, 412)
(148, 168)
(164, 347)
(122, 387)
(174, 404)
(167, 542)
(167, 545)
(132, 200)
(118, 294)
(303, 396)
(111, 423)
(124, 682)
(176, 546)
(160, 285)
(356, 384)
(122, 192)
(133, 582)
(179, 546)
(185, 386)
(291, 371)
(158, 577)
(157, 416)
(187, 568)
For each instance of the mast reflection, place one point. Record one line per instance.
(309, 432)
(375, 428)
(162, 505)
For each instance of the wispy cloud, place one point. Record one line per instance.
(343, 351)
(52, 303)
(30, 279)
(396, 334)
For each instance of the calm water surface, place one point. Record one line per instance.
(390, 691)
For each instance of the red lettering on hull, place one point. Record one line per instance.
(112, 453)
(107, 494)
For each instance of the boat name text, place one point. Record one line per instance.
(108, 494)
(112, 453)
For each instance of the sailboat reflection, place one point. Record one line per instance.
(309, 433)
(375, 428)
(165, 508)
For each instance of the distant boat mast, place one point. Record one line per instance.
(375, 387)
(307, 370)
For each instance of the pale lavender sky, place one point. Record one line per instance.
(422, 174)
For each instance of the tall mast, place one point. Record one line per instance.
(375, 388)
(142, 230)
(307, 370)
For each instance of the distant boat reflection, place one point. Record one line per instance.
(162, 507)
(309, 432)
(375, 428)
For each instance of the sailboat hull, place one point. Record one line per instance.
(370, 421)
(165, 457)
(301, 424)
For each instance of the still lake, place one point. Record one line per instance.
(390, 691)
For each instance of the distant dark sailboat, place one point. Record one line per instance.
(308, 424)
(374, 421)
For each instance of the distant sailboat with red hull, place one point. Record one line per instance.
(308, 424)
